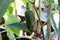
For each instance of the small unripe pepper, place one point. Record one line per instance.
(29, 15)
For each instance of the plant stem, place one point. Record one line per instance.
(39, 26)
(35, 23)
(39, 8)
(15, 8)
(48, 30)
(48, 24)
(40, 18)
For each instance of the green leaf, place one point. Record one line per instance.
(59, 25)
(55, 23)
(10, 34)
(59, 2)
(58, 8)
(51, 2)
(13, 23)
(25, 1)
(3, 6)
(52, 21)
(12, 19)
(10, 9)
(29, 2)
(20, 26)
(16, 31)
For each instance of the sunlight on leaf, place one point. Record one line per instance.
(25, 1)
(10, 34)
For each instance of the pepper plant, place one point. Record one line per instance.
(13, 24)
